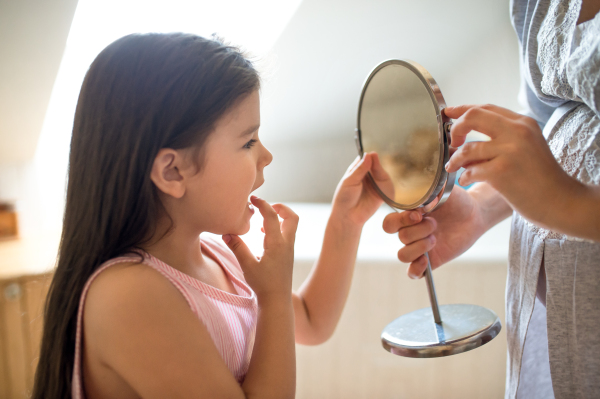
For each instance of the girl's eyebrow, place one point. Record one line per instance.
(250, 130)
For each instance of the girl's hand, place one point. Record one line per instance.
(445, 233)
(517, 162)
(270, 276)
(355, 199)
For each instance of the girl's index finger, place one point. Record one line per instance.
(270, 219)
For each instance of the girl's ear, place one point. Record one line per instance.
(166, 173)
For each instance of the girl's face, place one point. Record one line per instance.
(217, 197)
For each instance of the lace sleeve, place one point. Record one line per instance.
(583, 67)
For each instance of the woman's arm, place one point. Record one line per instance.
(518, 163)
(319, 302)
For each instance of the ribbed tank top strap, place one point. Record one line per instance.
(77, 383)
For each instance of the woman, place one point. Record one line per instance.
(550, 179)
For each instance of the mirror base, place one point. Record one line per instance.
(463, 327)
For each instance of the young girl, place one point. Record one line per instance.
(165, 146)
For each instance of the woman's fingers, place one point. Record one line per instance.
(412, 252)
(410, 226)
(473, 152)
(417, 268)
(419, 231)
(481, 120)
(395, 221)
(477, 172)
(459, 110)
(289, 225)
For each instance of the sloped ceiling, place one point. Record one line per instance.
(328, 48)
(318, 65)
(33, 34)
(312, 78)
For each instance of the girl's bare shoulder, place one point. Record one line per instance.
(129, 290)
(138, 325)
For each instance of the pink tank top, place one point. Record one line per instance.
(230, 319)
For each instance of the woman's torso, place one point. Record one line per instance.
(560, 64)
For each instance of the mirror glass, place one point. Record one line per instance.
(398, 120)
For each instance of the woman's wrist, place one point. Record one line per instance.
(491, 206)
(577, 212)
(592, 211)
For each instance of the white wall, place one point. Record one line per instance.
(311, 94)
(313, 78)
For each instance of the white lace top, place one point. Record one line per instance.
(554, 349)
(569, 60)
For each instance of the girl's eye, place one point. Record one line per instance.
(250, 143)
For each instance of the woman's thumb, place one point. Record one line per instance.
(239, 249)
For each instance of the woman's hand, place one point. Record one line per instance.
(355, 199)
(271, 276)
(445, 233)
(517, 161)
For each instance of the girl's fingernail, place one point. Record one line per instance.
(414, 216)
(226, 238)
(253, 197)
(446, 166)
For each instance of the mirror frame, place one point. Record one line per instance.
(444, 181)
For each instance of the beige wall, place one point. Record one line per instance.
(353, 364)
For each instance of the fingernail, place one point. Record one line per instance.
(253, 197)
(414, 216)
(446, 166)
(226, 238)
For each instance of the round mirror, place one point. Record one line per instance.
(400, 117)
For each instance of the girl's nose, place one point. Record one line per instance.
(267, 157)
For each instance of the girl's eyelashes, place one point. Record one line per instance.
(250, 143)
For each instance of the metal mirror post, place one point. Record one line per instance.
(400, 117)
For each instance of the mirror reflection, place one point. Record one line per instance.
(398, 120)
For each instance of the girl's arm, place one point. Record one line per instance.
(319, 302)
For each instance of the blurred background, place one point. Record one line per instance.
(314, 56)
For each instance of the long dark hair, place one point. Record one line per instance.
(142, 93)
